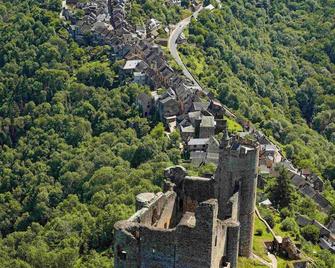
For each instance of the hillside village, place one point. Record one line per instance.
(183, 106)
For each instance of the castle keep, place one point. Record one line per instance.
(197, 222)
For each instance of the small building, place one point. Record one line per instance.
(181, 39)
(327, 243)
(199, 106)
(298, 180)
(285, 247)
(307, 190)
(171, 123)
(168, 105)
(204, 151)
(207, 127)
(266, 203)
(324, 231)
(141, 31)
(322, 201)
(197, 145)
(198, 158)
(187, 132)
(331, 226)
(270, 155)
(132, 66)
(317, 182)
(210, 7)
(303, 220)
(153, 25)
(216, 109)
(145, 101)
(140, 78)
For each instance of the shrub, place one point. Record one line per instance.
(310, 233)
(259, 232)
(270, 220)
(289, 224)
(285, 212)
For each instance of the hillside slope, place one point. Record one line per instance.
(274, 64)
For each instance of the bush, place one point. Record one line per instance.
(270, 220)
(289, 224)
(284, 213)
(311, 233)
(259, 232)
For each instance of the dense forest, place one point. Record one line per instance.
(274, 64)
(74, 150)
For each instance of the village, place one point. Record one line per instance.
(179, 103)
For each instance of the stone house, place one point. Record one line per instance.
(146, 103)
(298, 180)
(322, 202)
(216, 109)
(317, 182)
(132, 66)
(141, 31)
(200, 154)
(197, 145)
(199, 106)
(331, 226)
(270, 155)
(167, 105)
(186, 132)
(207, 127)
(327, 243)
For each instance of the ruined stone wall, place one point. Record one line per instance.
(126, 241)
(159, 212)
(206, 132)
(168, 216)
(194, 191)
(197, 242)
(201, 246)
(157, 247)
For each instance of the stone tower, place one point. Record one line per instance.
(198, 222)
(237, 173)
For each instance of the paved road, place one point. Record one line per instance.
(261, 260)
(172, 45)
(61, 12)
(273, 260)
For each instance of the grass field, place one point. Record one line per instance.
(233, 126)
(258, 244)
(249, 263)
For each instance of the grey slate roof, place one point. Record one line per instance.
(131, 64)
(199, 106)
(207, 121)
(308, 191)
(198, 142)
(188, 129)
(321, 200)
(303, 220)
(298, 180)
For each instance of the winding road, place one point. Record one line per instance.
(172, 45)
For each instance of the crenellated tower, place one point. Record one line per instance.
(237, 174)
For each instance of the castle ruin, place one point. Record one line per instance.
(197, 222)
